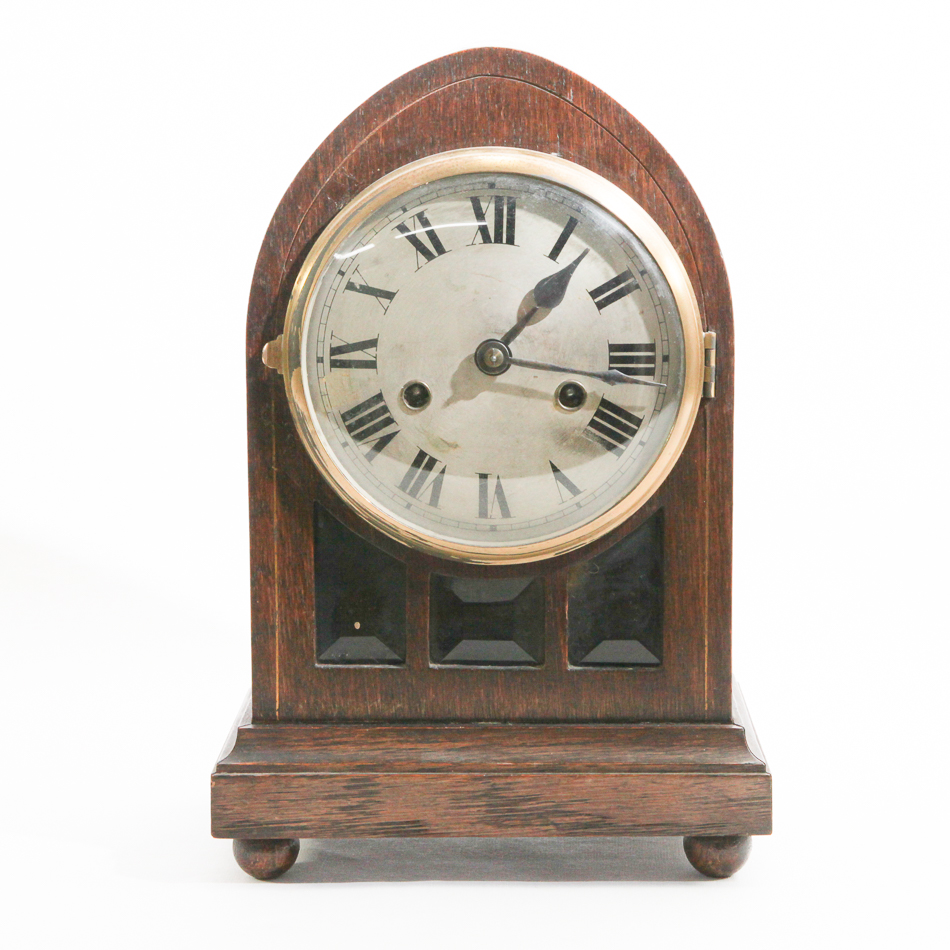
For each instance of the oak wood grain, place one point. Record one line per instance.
(416, 750)
(287, 780)
(471, 805)
(441, 106)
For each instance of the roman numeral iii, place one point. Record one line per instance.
(503, 231)
(633, 359)
(614, 289)
(612, 426)
(423, 239)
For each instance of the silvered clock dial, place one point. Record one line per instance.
(493, 354)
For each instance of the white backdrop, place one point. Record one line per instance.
(146, 147)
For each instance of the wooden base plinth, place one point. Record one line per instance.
(706, 781)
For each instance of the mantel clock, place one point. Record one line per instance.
(489, 374)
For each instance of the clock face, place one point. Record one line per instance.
(489, 362)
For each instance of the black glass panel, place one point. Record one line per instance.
(479, 622)
(360, 597)
(615, 602)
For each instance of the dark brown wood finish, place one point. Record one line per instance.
(441, 106)
(266, 858)
(490, 805)
(717, 856)
(328, 780)
(336, 751)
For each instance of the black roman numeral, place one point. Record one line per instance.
(340, 355)
(428, 253)
(383, 297)
(612, 426)
(563, 238)
(563, 482)
(504, 222)
(417, 478)
(614, 289)
(633, 359)
(497, 502)
(366, 423)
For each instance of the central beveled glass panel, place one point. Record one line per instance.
(486, 622)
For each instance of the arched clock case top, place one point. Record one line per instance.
(465, 101)
(677, 717)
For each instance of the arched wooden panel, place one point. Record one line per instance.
(487, 97)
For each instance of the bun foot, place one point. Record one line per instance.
(717, 855)
(266, 858)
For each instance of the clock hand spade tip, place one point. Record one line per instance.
(614, 376)
(547, 294)
(610, 376)
(550, 291)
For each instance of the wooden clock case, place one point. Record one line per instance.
(421, 749)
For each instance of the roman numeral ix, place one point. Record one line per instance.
(614, 289)
(612, 426)
(367, 423)
(417, 479)
(633, 359)
(417, 237)
(504, 220)
(341, 358)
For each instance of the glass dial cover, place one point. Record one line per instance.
(493, 355)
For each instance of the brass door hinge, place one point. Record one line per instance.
(709, 364)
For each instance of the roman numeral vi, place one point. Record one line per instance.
(490, 502)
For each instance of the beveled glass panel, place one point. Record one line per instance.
(360, 598)
(486, 622)
(615, 602)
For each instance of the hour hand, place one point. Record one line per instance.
(547, 294)
(611, 376)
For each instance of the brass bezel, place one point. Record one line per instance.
(498, 160)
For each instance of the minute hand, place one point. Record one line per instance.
(611, 376)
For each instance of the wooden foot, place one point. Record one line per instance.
(266, 858)
(717, 855)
